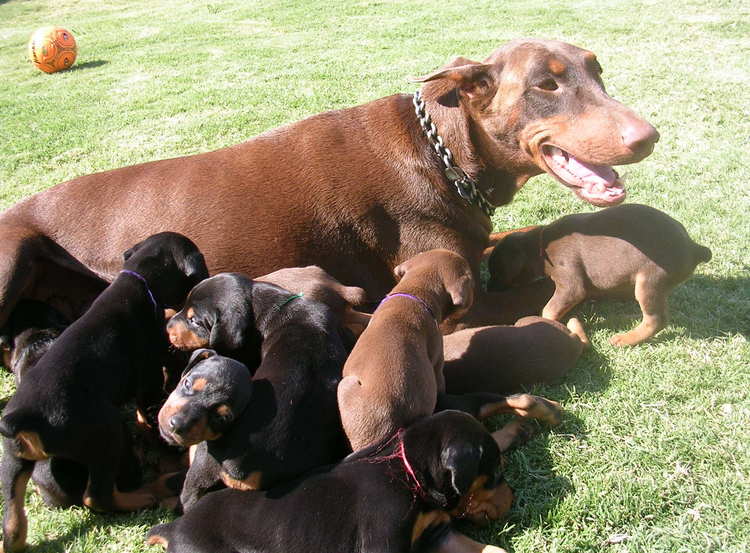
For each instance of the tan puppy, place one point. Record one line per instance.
(393, 374)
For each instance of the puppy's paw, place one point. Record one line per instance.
(623, 340)
(536, 407)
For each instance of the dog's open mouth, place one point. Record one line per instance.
(597, 184)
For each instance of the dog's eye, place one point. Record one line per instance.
(547, 84)
(187, 384)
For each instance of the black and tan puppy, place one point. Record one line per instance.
(67, 404)
(283, 422)
(30, 331)
(614, 253)
(395, 497)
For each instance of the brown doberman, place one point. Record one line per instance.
(355, 191)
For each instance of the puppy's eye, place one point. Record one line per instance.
(188, 384)
(191, 320)
(547, 84)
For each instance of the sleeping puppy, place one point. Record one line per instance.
(67, 404)
(316, 284)
(394, 497)
(281, 423)
(508, 359)
(618, 252)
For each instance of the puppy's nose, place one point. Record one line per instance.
(640, 137)
(174, 425)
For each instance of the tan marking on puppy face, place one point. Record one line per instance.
(30, 446)
(481, 505)
(169, 409)
(252, 482)
(199, 384)
(224, 410)
(183, 338)
(556, 66)
(157, 540)
(425, 520)
(190, 313)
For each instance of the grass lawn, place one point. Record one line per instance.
(654, 451)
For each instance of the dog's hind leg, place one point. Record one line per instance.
(652, 297)
(15, 473)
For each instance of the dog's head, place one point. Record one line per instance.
(211, 394)
(445, 270)
(540, 106)
(459, 465)
(515, 261)
(171, 264)
(217, 313)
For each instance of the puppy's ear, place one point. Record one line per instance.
(473, 79)
(194, 266)
(229, 330)
(198, 356)
(505, 264)
(460, 465)
(129, 252)
(461, 292)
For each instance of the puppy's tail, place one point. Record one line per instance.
(160, 534)
(702, 253)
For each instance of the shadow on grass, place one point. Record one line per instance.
(705, 307)
(86, 64)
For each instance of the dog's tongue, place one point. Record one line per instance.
(597, 184)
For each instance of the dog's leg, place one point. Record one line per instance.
(455, 542)
(101, 492)
(652, 297)
(576, 329)
(15, 476)
(525, 406)
(569, 292)
(202, 476)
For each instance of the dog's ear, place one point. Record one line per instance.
(198, 356)
(229, 329)
(473, 79)
(505, 264)
(194, 266)
(127, 254)
(461, 292)
(459, 464)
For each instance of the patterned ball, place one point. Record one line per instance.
(52, 49)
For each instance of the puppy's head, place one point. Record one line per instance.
(459, 464)
(171, 264)
(447, 270)
(211, 394)
(511, 263)
(217, 314)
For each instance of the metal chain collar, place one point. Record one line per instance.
(465, 186)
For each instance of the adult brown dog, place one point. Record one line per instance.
(355, 191)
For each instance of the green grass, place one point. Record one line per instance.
(655, 444)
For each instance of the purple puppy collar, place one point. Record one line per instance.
(143, 280)
(415, 298)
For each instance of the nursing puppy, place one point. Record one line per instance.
(509, 359)
(395, 497)
(395, 371)
(67, 405)
(281, 423)
(615, 253)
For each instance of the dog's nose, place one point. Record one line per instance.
(174, 425)
(640, 137)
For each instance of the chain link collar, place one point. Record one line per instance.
(465, 186)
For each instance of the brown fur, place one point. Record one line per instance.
(621, 252)
(395, 371)
(362, 185)
(507, 359)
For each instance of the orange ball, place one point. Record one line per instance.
(52, 49)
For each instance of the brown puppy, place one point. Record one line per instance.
(508, 359)
(316, 284)
(615, 253)
(364, 186)
(395, 371)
